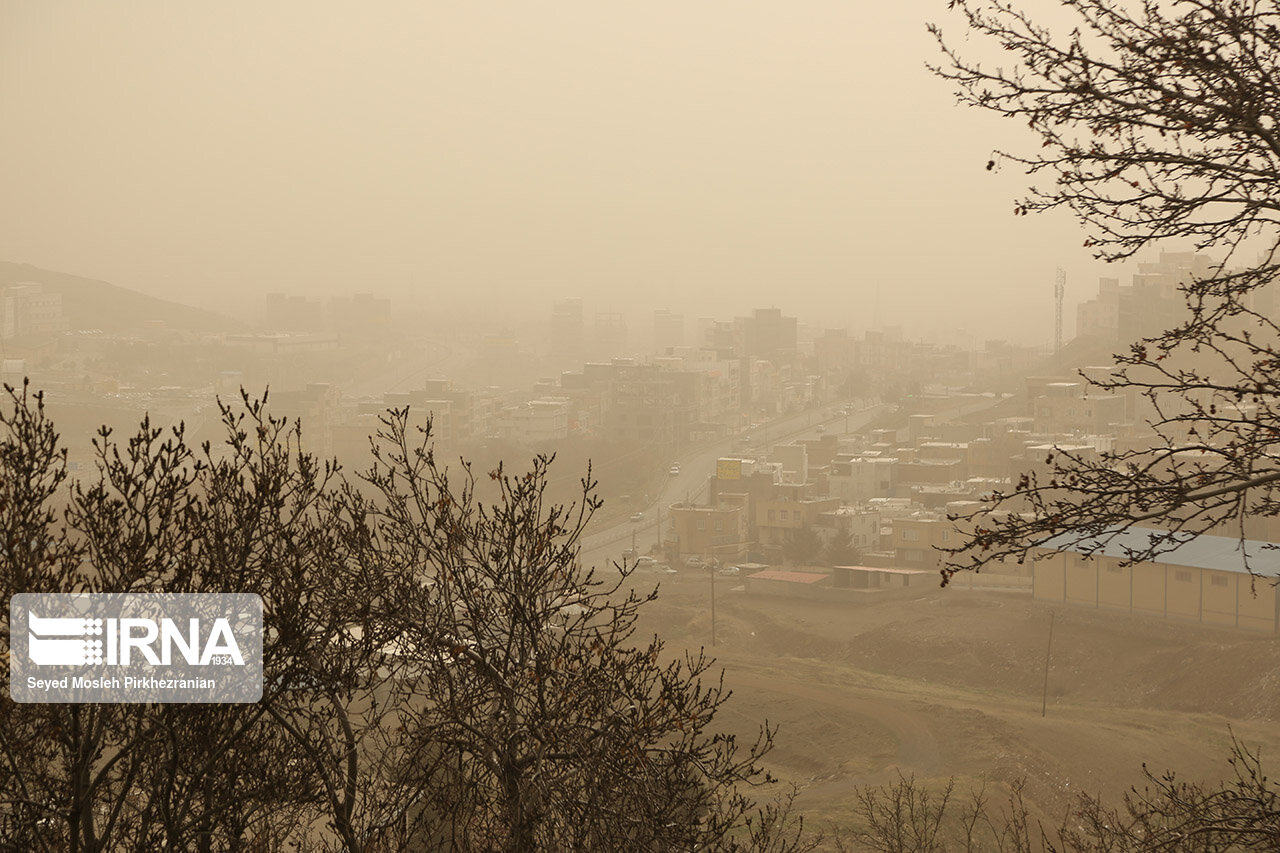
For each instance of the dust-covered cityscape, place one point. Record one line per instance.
(569, 427)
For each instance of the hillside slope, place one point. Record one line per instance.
(91, 304)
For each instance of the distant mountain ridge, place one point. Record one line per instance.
(92, 304)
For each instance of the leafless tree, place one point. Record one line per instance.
(908, 816)
(89, 777)
(440, 673)
(548, 725)
(1157, 121)
(1167, 815)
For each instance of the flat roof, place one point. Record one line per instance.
(1221, 553)
(886, 570)
(789, 577)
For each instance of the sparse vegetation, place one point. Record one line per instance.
(1165, 815)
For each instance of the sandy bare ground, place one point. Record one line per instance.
(948, 683)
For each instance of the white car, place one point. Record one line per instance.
(674, 469)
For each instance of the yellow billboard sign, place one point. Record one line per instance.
(729, 469)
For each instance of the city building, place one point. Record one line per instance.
(668, 330)
(567, 332)
(1153, 302)
(27, 310)
(536, 421)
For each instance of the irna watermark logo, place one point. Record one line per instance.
(135, 647)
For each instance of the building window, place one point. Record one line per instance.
(719, 524)
(910, 535)
(1218, 580)
(783, 514)
(702, 524)
(1182, 575)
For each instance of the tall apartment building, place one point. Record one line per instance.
(609, 336)
(668, 330)
(536, 421)
(567, 344)
(28, 310)
(1150, 304)
(648, 404)
(768, 334)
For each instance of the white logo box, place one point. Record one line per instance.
(135, 647)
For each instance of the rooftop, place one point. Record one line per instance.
(789, 577)
(1221, 553)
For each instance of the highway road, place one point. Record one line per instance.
(603, 547)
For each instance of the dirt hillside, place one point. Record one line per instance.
(949, 683)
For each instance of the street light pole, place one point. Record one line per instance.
(713, 606)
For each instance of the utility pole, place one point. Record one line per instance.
(1044, 702)
(1059, 288)
(713, 605)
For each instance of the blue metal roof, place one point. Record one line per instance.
(1221, 553)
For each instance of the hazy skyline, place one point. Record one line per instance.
(705, 157)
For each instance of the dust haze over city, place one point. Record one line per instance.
(758, 269)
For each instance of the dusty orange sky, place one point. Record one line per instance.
(701, 156)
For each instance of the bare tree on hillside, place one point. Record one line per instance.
(90, 777)
(1156, 121)
(438, 673)
(1166, 815)
(547, 724)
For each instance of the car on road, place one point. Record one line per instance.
(674, 470)
(645, 562)
(730, 571)
(637, 516)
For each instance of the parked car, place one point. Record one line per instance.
(645, 562)
(730, 571)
